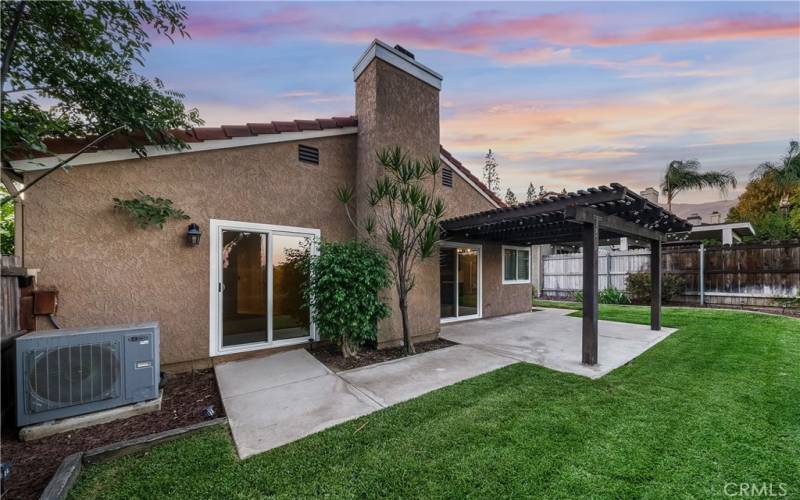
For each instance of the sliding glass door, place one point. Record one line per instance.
(460, 281)
(256, 289)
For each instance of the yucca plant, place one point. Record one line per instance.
(405, 219)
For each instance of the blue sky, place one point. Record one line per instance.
(567, 94)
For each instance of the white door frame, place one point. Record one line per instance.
(216, 227)
(479, 248)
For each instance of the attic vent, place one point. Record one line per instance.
(447, 177)
(404, 51)
(308, 154)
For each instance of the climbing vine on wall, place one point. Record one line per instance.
(147, 210)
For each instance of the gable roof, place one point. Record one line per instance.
(474, 180)
(117, 147)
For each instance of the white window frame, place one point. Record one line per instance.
(479, 248)
(216, 226)
(503, 265)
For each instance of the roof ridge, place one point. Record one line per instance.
(483, 187)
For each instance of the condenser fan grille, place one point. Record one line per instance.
(72, 375)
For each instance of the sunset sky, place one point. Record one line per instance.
(567, 94)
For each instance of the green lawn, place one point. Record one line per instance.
(716, 402)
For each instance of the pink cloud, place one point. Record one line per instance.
(481, 35)
(279, 21)
(706, 31)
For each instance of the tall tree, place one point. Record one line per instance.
(533, 194)
(771, 200)
(69, 70)
(511, 198)
(685, 176)
(405, 222)
(784, 175)
(490, 176)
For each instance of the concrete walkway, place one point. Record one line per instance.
(550, 338)
(274, 400)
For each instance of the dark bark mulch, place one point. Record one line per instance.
(33, 463)
(331, 356)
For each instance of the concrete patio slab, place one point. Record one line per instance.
(275, 416)
(550, 338)
(406, 378)
(240, 377)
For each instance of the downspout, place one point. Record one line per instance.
(702, 274)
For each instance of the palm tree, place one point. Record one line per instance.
(685, 175)
(785, 176)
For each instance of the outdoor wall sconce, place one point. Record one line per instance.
(193, 234)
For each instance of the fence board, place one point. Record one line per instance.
(763, 270)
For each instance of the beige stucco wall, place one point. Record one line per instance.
(109, 272)
(396, 109)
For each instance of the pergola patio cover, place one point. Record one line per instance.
(585, 217)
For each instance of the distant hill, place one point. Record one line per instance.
(703, 209)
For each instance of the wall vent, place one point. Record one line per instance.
(308, 154)
(447, 177)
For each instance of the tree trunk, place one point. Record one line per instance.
(404, 315)
(348, 349)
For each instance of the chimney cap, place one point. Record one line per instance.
(401, 59)
(405, 51)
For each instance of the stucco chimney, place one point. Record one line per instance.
(397, 104)
(694, 219)
(650, 195)
(715, 217)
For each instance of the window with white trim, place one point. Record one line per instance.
(516, 265)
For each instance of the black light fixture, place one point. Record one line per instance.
(193, 235)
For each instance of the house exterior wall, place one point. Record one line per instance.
(108, 272)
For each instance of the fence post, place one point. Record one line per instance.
(702, 280)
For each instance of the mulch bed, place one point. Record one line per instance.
(33, 463)
(331, 356)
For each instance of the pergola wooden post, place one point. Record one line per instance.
(592, 217)
(591, 241)
(655, 285)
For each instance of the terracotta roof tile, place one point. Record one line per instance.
(307, 125)
(285, 126)
(262, 128)
(345, 121)
(210, 133)
(472, 177)
(236, 130)
(325, 123)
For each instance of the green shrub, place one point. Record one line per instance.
(638, 287)
(612, 295)
(343, 287)
(608, 295)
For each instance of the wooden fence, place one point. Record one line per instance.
(751, 274)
